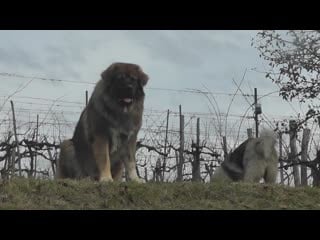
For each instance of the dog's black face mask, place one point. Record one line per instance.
(127, 90)
(124, 84)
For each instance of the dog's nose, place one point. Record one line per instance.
(128, 88)
(126, 91)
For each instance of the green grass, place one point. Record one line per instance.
(85, 194)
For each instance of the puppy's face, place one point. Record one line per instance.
(124, 83)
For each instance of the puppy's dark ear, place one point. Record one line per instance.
(107, 74)
(143, 78)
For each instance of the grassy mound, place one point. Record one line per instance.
(85, 194)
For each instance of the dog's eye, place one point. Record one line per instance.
(134, 79)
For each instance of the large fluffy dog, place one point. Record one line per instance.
(254, 159)
(104, 140)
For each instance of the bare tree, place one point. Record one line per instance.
(294, 58)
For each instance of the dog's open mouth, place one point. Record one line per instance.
(126, 100)
(125, 97)
(126, 103)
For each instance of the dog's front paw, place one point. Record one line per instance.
(137, 180)
(106, 179)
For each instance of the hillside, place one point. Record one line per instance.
(84, 194)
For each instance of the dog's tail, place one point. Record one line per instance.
(266, 143)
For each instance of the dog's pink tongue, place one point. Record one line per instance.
(127, 100)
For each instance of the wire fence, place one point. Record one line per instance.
(43, 123)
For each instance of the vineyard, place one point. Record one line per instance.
(172, 145)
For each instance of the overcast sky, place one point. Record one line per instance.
(174, 60)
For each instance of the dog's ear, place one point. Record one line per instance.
(143, 77)
(107, 74)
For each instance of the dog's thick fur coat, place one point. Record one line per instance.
(104, 140)
(253, 160)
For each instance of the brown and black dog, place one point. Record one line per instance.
(104, 140)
